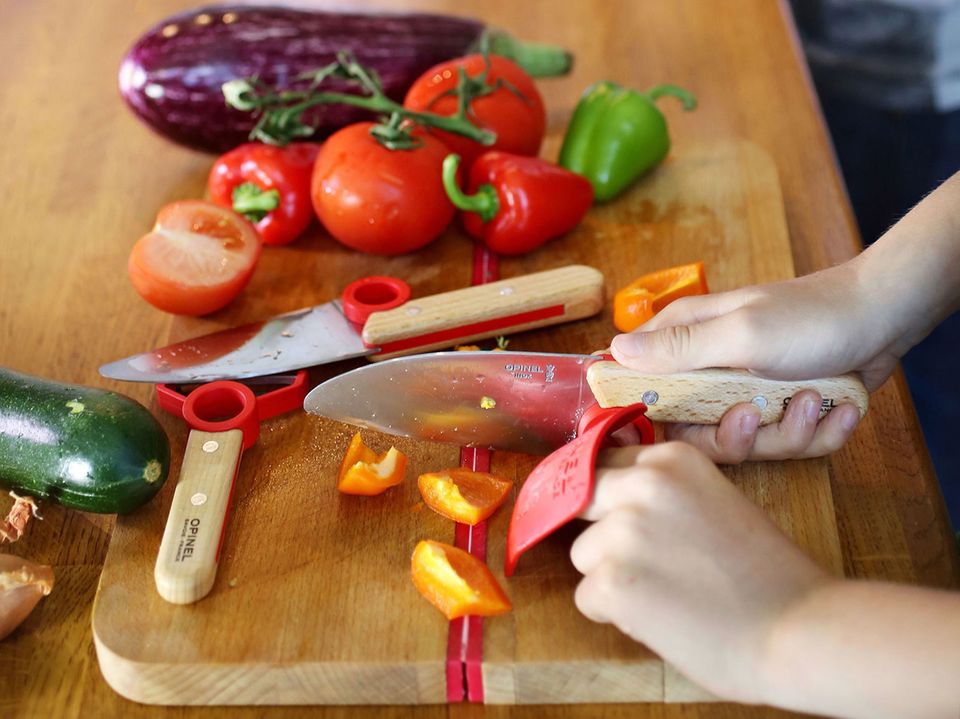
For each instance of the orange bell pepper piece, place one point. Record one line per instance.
(363, 472)
(463, 495)
(455, 582)
(645, 296)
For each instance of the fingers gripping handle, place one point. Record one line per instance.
(189, 551)
(703, 396)
(482, 311)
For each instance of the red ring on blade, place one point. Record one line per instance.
(367, 295)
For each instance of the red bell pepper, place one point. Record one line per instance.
(517, 203)
(268, 185)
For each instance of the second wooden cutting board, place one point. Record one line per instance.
(313, 601)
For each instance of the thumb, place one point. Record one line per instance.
(678, 348)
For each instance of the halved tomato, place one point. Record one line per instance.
(196, 259)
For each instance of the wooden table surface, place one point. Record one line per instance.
(81, 179)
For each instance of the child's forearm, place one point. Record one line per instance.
(912, 273)
(867, 649)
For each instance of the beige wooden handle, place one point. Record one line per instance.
(482, 311)
(702, 396)
(189, 552)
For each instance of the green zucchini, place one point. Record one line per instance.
(81, 447)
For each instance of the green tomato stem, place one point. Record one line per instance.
(281, 112)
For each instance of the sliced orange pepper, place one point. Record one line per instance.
(455, 582)
(463, 495)
(645, 296)
(363, 472)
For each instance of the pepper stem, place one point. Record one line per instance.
(253, 202)
(485, 202)
(538, 59)
(686, 97)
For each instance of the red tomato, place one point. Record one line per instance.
(284, 169)
(378, 200)
(195, 260)
(514, 111)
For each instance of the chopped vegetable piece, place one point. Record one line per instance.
(464, 495)
(456, 583)
(644, 297)
(363, 472)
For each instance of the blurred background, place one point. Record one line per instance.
(888, 76)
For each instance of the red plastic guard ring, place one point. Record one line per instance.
(222, 406)
(367, 295)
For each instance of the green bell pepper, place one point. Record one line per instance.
(616, 134)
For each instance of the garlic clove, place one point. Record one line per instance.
(22, 584)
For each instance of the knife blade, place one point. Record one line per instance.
(322, 334)
(532, 402)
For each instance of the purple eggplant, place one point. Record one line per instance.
(171, 77)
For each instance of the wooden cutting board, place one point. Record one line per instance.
(313, 602)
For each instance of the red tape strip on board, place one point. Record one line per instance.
(474, 541)
(465, 636)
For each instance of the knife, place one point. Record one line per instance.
(325, 333)
(532, 402)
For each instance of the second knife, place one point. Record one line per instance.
(375, 318)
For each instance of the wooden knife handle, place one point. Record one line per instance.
(702, 396)
(190, 549)
(474, 313)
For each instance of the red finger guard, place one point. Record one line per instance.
(560, 487)
(361, 298)
(225, 405)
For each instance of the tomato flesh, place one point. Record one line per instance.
(197, 258)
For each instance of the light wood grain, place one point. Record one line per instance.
(702, 396)
(543, 651)
(576, 289)
(187, 560)
(82, 179)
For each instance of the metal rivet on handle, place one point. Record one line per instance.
(411, 311)
(506, 291)
(210, 446)
(760, 401)
(650, 397)
(198, 499)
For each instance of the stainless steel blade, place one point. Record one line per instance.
(303, 338)
(522, 401)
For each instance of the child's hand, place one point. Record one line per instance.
(680, 560)
(815, 326)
